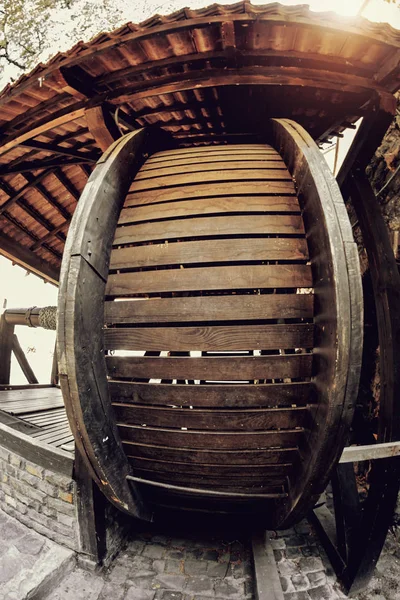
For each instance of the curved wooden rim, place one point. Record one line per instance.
(339, 310)
(84, 271)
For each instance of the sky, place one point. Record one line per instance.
(19, 289)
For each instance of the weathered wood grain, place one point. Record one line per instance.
(231, 368)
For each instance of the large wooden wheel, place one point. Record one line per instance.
(241, 325)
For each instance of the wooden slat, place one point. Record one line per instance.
(209, 206)
(211, 419)
(224, 368)
(217, 338)
(209, 251)
(204, 150)
(206, 227)
(241, 157)
(205, 190)
(221, 396)
(213, 440)
(200, 167)
(217, 278)
(205, 455)
(215, 469)
(211, 176)
(261, 483)
(210, 308)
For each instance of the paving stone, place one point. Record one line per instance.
(211, 555)
(112, 591)
(169, 582)
(295, 541)
(160, 539)
(137, 594)
(293, 553)
(168, 595)
(288, 568)
(300, 582)
(310, 551)
(230, 589)
(175, 554)
(278, 544)
(135, 546)
(195, 554)
(215, 569)
(308, 565)
(323, 592)
(159, 565)
(286, 584)
(195, 567)
(303, 528)
(297, 596)
(279, 555)
(30, 544)
(154, 551)
(200, 585)
(174, 567)
(317, 579)
(119, 574)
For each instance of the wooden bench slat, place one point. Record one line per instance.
(224, 368)
(201, 167)
(239, 156)
(210, 338)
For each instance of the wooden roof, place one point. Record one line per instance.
(210, 75)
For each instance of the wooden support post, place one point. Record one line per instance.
(23, 361)
(101, 126)
(6, 343)
(54, 379)
(268, 585)
(91, 517)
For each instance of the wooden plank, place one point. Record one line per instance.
(225, 337)
(215, 469)
(370, 452)
(222, 396)
(251, 277)
(210, 419)
(204, 150)
(210, 308)
(270, 169)
(210, 251)
(268, 585)
(101, 126)
(240, 158)
(257, 483)
(37, 452)
(6, 342)
(209, 206)
(209, 226)
(224, 368)
(206, 191)
(217, 176)
(206, 492)
(206, 456)
(221, 440)
(23, 361)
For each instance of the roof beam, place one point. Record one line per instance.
(54, 149)
(27, 259)
(33, 165)
(8, 203)
(102, 126)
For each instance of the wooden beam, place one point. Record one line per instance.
(27, 259)
(370, 452)
(6, 344)
(369, 136)
(8, 203)
(54, 149)
(22, 361)
(102, 126)
(268, 585)
(64, 180)
(34, 165)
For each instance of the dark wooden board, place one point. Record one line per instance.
(206, 456)
(216, 469)
(211, 338)
(218, 396)
(222, 368)
(205, 190)
(205, 150)
(218, 278)
(209, 226)
(220, 440)
(209, 206)
(210, 308)
(210, 419)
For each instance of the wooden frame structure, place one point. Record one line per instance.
(187, 74)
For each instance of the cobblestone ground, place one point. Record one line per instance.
(157, 566)
(28, 561)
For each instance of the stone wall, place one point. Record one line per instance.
(39, 498)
